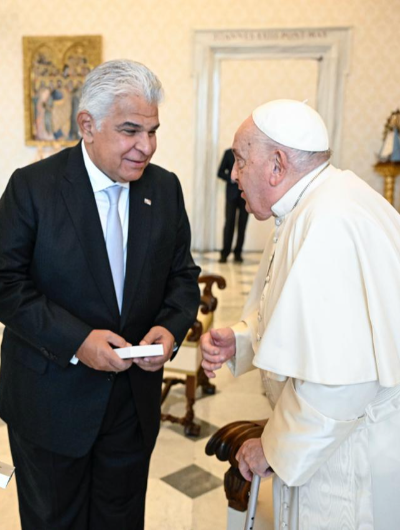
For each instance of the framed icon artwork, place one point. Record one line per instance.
(54, 72)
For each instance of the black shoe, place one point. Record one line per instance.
(222, 259)
(238, 259)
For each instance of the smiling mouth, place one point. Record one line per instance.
(136, 162)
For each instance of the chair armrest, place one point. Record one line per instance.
(224, 444)
(208, 303)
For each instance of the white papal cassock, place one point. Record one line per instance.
(322, 322)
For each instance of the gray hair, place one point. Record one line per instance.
(117, 79)
(301, 161)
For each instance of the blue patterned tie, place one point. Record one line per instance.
(115, 242)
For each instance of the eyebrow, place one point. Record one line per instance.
(137, 126)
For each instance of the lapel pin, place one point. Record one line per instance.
(147, 201)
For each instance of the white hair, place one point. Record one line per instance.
(117, 79)
(301, 161)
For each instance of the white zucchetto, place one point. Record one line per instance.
(293, 124)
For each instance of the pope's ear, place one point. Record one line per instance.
(86, 125)
(279, 167)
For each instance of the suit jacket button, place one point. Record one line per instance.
(111, 376)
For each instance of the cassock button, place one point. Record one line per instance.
(258, 337)
(278, 222)
(262, 297)
(259, 317)
(267, 279)
(275, 240)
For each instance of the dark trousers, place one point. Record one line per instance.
(104, 490)
(231, 208)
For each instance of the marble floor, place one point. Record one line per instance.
(185, 489)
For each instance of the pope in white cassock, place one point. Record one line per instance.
(323, 325)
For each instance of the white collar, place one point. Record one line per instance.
(286, 203)
(98, 179)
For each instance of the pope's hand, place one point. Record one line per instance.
(217, 346)
(252, 460)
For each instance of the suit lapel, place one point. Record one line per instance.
(140, 217)
(79, 198)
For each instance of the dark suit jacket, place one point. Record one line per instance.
(56, 286)
(224, 173)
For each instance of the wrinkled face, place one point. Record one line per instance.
(126, 141)
(252, 170)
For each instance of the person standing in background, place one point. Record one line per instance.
(234, 203)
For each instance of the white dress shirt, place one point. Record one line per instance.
(100, 182)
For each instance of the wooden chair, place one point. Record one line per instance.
(224, 444)
(187, 362)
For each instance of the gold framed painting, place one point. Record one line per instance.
(54, 71)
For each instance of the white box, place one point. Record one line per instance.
(151, 350)
(6, 472)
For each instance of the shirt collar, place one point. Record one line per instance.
(98, 179)
(288, 201)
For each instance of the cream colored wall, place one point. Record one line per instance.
(160, 34)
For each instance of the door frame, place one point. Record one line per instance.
(331, 47)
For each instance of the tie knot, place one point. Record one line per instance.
(113, 193)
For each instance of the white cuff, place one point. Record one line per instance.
(242, 362)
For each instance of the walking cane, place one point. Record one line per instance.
(251, 509)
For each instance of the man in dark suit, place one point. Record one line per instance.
(82, 421)
(234, 203)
